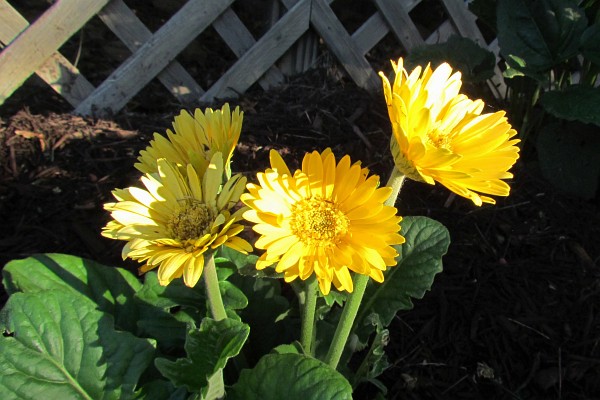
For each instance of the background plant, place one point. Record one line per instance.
(551, 50)
(550, 57)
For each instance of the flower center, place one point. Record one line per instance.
(440, 140)
(190, 222)
(317, 221)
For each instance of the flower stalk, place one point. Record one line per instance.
(352, 305)
(213, 292)
(309, 300)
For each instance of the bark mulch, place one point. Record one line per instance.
(514, 315)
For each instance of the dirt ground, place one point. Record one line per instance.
(514, 315)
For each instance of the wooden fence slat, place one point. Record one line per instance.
(442, 33)
(464, 21)
(11, 22)
(154, 55)
(239, 39)
(370, 33)
(34, 48)
(271, 46)
(39, 41)
(133, 33)
(340, 43)
(400, 23)
(57, 71)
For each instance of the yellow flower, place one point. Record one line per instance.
(178, 219)
(325, 219)
(195, 140)
(441, 135)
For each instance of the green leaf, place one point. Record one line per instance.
(375, 361)
(289, 348)
(419, 260)
(110, 288)
(575, 103)
(160, 390)
(475, 63)
(542, 33)
(290, 376)
(568, 156)
(590, 43)
(246, 264)
(64, 348)
(165, 311)
(485, 10)
(172, 295)
(225, 268)
(208, 349)
(233, 298)
(335, 297)
(267, 314)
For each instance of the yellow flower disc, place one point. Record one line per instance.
(326, 219)
(440, 135)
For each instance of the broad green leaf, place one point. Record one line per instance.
(172, 295)
(292, 348)
(267, 314)
(485, 10)
(475, 63)
(160, 390)
(590, 43)
(568, 156)
(419, 260)
(111, 288)
(215, 388)
(542, 33)
(167, 328)
(576, 103)
(225, 268)
(62, 347)
(233, 298)
(290, 376)
(208, 349)
(157, 305)
(246, 264)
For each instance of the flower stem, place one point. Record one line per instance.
(308, 314)
(395, 181)
(352, 305)
(342, 332)
(213, 292)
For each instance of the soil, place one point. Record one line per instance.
(514, 315)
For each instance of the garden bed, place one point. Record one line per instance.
(513, 315)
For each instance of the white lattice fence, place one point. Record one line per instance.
(30, 49)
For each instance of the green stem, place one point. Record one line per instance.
(308, 314)
(342, 332)
(213, 292)
(395, 181)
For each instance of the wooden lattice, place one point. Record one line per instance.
(30, 49)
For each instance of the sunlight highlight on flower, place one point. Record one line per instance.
(441, 135)
(195, 140)
(178, 219)
(327, 219)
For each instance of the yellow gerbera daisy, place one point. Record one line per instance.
(195, 140)
(441, 135)
(178, 220)
(325, 219)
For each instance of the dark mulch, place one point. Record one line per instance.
(515, 314)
